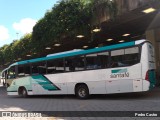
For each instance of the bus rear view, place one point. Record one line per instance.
(148, 66)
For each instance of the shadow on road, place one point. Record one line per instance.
(112, 102)
(119, 96)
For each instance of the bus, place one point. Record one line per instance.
(120, 68)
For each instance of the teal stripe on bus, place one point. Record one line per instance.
(152, 78)
(45, 82)
(111, 47)
(119, 70)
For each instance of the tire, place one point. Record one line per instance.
(82, 92)
(23, 92)
(6, 85)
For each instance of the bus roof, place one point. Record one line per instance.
(79, 52)
(60, 53)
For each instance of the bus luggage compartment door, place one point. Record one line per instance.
(119, 86)
(137, 85)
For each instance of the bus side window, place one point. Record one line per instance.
(103, 59)
(55, 66)
(124, 57)
(117, 57)
(27, 70)
(39, 68)
(59, 63)
(21, 71)
(131, 55)
(35, 70)
(51, 67)
(74, 63)
(70, 64)
(42, 67)
(92, 62)
(11, 73)
(79, 63)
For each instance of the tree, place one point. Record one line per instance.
(67, 19)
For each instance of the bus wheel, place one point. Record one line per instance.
(23, 92)
(82, 91)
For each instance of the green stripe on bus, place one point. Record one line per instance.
(44, 82)
(119, 70)
(152, 78)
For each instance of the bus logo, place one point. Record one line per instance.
(119, 73)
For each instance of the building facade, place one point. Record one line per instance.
(130, 17)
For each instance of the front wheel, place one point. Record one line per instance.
(23, 92)
(82, 92)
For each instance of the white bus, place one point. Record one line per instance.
(119, 68)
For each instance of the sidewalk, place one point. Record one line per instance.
(1, 84)
(3, 91)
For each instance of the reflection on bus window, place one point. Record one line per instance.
(24, 70)
(21, 72)
(79, 63)
(55, 66)
(74, 63)
(39, 68)
(132, 56)
(103, 59)
(70, 64)
(11, 73)
(117, 57)
(92, 61)
(27, 70)
(124, 57)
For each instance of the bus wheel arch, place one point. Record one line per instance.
(81, 90)
(22, 91)
(6, 85)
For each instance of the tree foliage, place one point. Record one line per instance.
(68, 18)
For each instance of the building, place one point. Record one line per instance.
(135, 19)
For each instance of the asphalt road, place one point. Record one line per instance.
(147, 101)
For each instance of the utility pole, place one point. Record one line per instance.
(17, 35)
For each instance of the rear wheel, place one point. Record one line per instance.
(82, 92)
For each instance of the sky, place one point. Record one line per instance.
(17, 17)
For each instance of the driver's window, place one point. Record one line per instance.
(11, 73)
